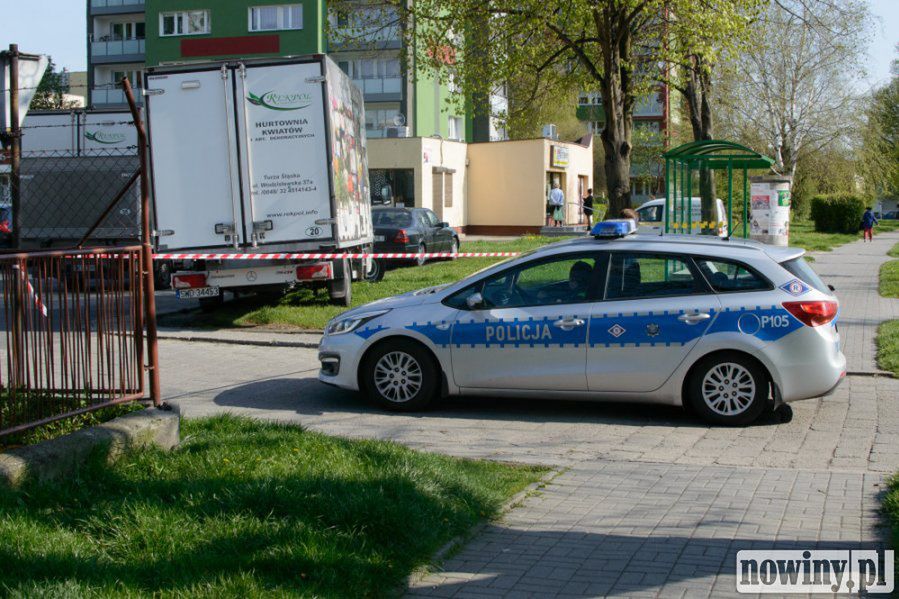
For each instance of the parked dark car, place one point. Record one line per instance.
(410, 230)
(891, 215)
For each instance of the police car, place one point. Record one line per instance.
(727, 328)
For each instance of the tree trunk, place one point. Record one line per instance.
(618, 106)
(697, 93)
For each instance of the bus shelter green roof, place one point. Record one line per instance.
(718, 154)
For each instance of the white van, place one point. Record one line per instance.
(652, 217)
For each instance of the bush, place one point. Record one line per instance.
(837, 213)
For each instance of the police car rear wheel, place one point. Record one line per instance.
(728, 389)
(401, 376)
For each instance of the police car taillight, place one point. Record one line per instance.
(812, 314)
(618, 227)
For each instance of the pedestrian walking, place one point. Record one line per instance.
(868, 222)
(588, 207)
(557, 204)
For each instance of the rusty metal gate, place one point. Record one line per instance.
(79, 322)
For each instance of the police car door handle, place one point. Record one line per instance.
(694, 318)
(566, 324)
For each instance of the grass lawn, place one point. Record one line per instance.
(891, 508)
(894, 252)
(889, 279)
(803, 234)
(888, 346)
(246, 509)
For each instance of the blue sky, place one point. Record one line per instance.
(57, 27)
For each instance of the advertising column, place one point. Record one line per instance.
(769, 216)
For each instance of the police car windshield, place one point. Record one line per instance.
(800, 269)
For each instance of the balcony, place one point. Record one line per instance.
(117, 51)
(380, 90)
(111, 96)
(114, 7)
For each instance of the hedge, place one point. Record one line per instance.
(837, 213)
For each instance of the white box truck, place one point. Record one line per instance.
(259, 156)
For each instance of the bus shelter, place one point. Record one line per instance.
(712, 155)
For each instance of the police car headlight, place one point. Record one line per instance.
(340, 326)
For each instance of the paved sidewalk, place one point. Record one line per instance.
(853, 269)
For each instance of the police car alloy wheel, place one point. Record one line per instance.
(728, 388)
(400, 375)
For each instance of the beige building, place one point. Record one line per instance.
(495, 188)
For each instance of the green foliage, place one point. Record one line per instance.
(546, 48)
(837, 213)
(246, 509)
(879, 164)
(50, 93)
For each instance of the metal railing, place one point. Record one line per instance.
(110, 95)
(117, 47)
(72, 333)
(115, 3)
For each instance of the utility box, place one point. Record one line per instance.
(769, 214)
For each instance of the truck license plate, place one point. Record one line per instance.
(197, 292)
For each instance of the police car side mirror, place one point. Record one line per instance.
(474, 301)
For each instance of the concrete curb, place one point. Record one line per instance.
(269, 343)
(62, 457)
(456, 543)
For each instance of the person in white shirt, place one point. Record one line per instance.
(557, 204)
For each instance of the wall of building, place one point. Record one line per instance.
(506, 182)
(425, 155)
(507, 189)
(230, 34)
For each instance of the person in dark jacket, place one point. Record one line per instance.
(868, 222)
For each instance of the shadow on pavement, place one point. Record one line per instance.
(307, 396)
(581, 564)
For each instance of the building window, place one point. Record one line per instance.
(134, 77)
(455, 128)
(372, 68)
(278, 17)
(191, 22)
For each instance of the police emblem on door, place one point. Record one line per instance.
(652, 329)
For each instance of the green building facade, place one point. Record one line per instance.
(185, 30)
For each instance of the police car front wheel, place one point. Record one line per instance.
(728, 388)
(400, 375)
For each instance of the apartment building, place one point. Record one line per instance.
(116, 31)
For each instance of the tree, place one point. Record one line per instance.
(879, 156)
(613, 45)
(793, 84)
(51, 91)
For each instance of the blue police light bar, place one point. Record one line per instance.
(616, 227)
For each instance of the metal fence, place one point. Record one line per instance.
(72, 334)
(67, 200)
(76, 290)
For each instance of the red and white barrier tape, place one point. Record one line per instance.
(380, 256)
